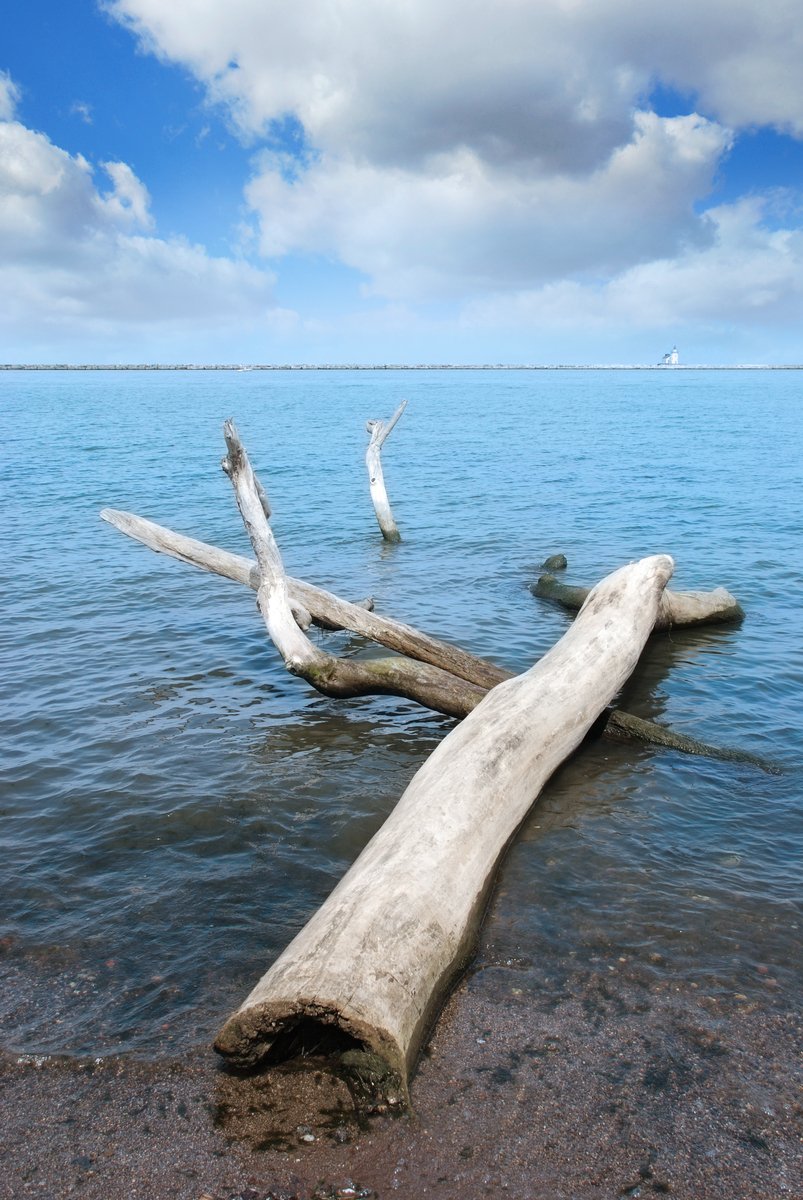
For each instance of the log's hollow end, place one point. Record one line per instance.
(370, 1060)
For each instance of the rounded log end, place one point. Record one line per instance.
(731, 609)
(687, 609)
(543, 585)
(369, 1059)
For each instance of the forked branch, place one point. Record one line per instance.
(331, 612)
(379, 432)
(333, 676)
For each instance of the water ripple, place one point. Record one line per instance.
(175, 805)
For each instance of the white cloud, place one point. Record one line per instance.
(741, 60)
(542, 81)
(80, 108)
(502, 156)
(79, 260)
(464, 227)
(9, 95)
(749, 275)
(461, 149)
(128, 203)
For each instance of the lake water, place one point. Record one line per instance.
(174, 805)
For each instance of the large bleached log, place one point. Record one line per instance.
(377, 958)
(379, 432)
(677, 609)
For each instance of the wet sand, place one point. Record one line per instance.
(622, 1085)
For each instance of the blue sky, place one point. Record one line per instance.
(417, 182)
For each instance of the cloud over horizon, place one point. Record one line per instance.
(78, 259)
(455, 153)
(536, 165)
(468, 228)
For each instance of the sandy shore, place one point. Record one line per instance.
(623, 1085)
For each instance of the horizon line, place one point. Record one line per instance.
(663, 367)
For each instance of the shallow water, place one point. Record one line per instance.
(175, 805)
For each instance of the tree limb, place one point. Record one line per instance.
(331, 612)
(379, 432)
(677, 610)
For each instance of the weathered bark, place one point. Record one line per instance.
(326, 609)
(377, 958)
(330, 612)
(380, 431)
(428, 685)
(677, 608)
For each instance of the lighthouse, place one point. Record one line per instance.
(671, 359)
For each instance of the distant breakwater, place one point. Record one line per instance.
(662, 367)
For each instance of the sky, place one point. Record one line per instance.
(401, 181)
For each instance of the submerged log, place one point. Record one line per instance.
(677, 609)
(331, 612)
(624, 727)
(377, 958)
(379, 432)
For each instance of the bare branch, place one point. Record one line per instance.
(335, 677)
(327, 610)
(379, 431)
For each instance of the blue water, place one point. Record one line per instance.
(174, 805)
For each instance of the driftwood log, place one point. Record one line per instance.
(370, 970)
(331, 612)
(376, 960)
(379, 432)
(677, 609)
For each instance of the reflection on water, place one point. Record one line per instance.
(175, 805)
